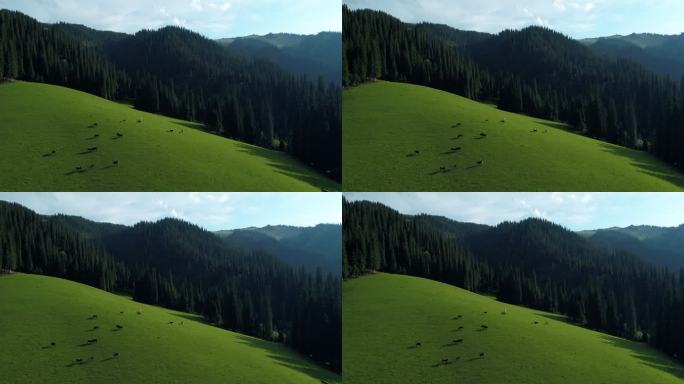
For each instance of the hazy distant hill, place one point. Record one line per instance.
(660, 53)
(315, 56)
(660, 245)
(312, 247)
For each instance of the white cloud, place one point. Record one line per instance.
(196, 5)
(577, 18)
(212, 18)
(209, 210)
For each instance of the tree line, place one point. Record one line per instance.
(535, 71)
(533, 263)
(179, 73)
(180, 266)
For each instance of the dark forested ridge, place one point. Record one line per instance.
(660, 245)
(534, 71)
(178, 265)
(534, 263)
(179, 73)
(662, 54)
(313, 248)
(315, 56)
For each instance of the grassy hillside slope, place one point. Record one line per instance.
(385, 123)
(386, 315)
(38, 118)
(37, 310)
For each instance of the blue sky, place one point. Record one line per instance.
(576, 211)
(213, 211)
(576, 18)
(212, 18)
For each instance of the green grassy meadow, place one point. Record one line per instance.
(36, 119)
(385, 315)
(385, 123)
(37, 310)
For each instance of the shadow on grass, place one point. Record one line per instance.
(553, 316)
(275, 352)
(646, 355)
(443, 363)
(638, 160)
(192, 125)
(557, 126)
(283, 164)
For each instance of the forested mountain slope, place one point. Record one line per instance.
(534, 71)
(182, 74)
(153, 344)
(181, 266)
(533, 263)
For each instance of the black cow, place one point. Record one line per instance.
(457, 340)
(418, 344)
(482, 354)
(92, 341)
(482, 134)
(119, 326)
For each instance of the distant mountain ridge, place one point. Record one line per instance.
(660, 245)
(662, 54)
(313, 248)
(314, 56)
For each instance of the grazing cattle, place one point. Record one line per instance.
(170, 130)
(482, 354)
(459, 136)
(416, 151)
(443, 169)
(480, 162)
(53, 152)
(92, 149)
(457, 340)
(79, 360)
(121, 312)
(444, 361)
(534, 130)
(116, 354)
(92, 341)
(97, 135)
(455, 148)
(460, 327)
(119, 326)
(139, 313)
(53, 343)
(482, 134)
(96, 327)
(115, 162)
(418, 344)
(503, 120)
(536, 322)
(140, 120)
(170, 322)
(484, 326)
(119, 134)
(79, 168)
